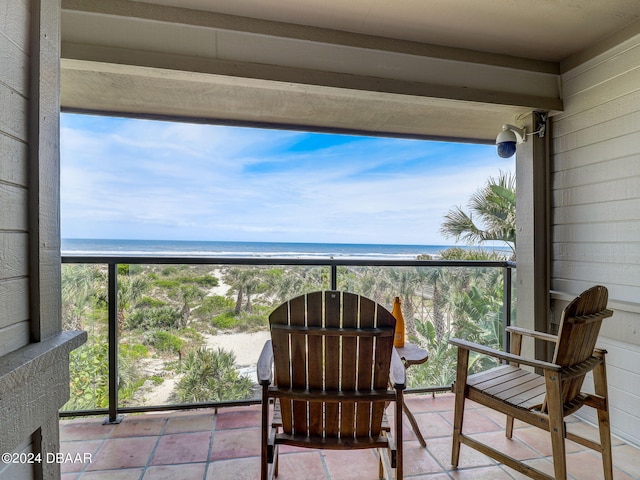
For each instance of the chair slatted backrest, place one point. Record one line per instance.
(332, 343)
(578, 332)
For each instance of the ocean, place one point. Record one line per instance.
(76, 246)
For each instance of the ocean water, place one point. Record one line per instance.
(77, 246)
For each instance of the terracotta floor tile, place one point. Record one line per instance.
(418, 460)
(226, 419)
(542, 464)
(182, 448)
(474, 422)
(120, 474)
(84, 429)
(481, 473)
(441, 402)
(189, 423)
(432, 425)
(339, 464)
(176, 472)
(85, 449)
(435, 476)
(589, 431)
(237, 469)
(242, 442)
(540, 440)
(417, 403)
(139, 425)
(627, 458)
(512, 447)
(440, 448)
(226, 446)
(124, 453)
(308, 465)
(588, 464)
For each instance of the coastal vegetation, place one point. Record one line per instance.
(169, 314)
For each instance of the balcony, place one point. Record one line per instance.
(219, 439)
(203, 444)
(138, 344)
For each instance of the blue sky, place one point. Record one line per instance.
(143, 179)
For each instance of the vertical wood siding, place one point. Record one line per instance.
(596, 209)
(14, 105)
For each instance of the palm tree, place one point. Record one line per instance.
(494, 205)
(130, 289)
(245, 281)
(187, 295)
(211, 375)
(78, 289)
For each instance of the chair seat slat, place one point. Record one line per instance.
(500, 377)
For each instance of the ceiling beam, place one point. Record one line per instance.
(116, 53)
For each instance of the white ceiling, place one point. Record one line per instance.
(446, 69)
(550, 30)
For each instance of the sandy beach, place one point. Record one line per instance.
(245, 346)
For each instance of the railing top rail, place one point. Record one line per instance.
(206, 260)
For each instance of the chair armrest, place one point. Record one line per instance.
(509, 357)
(265, 363)
(547, 337)
(397, 372)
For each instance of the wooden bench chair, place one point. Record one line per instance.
(542, 400)
(333, 363)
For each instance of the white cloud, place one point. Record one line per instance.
(155, 180)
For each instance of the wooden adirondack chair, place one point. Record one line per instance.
(542, 400)
(333, 363)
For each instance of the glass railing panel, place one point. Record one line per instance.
(84, 307)
(438, 303)
(193, 333)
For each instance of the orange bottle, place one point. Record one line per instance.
(398, 339)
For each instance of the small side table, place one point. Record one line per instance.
(412, 354)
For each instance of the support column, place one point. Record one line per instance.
(533, 233)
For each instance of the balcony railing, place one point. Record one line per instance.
(482, 287)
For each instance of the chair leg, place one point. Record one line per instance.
(264, 464)
(459, 390)
(556, 424)
(509, 428)
(275, 462)
(516, 349)
(398, 435)
(600, 384)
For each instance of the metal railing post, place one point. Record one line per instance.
(506, 307)
(113, 344)
(334, 276)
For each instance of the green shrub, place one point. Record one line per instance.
(156, 317)
(166, 342)
(213, 305)
(168, 283)
(89, 369)
(135, 351)
(169, 270)
(225, 320)
(211, 375)
(149, 302)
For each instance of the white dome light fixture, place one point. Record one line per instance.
(508, 138)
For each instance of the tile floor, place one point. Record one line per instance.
(204, 446)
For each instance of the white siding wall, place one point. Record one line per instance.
(596, 210)
(14, 105)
